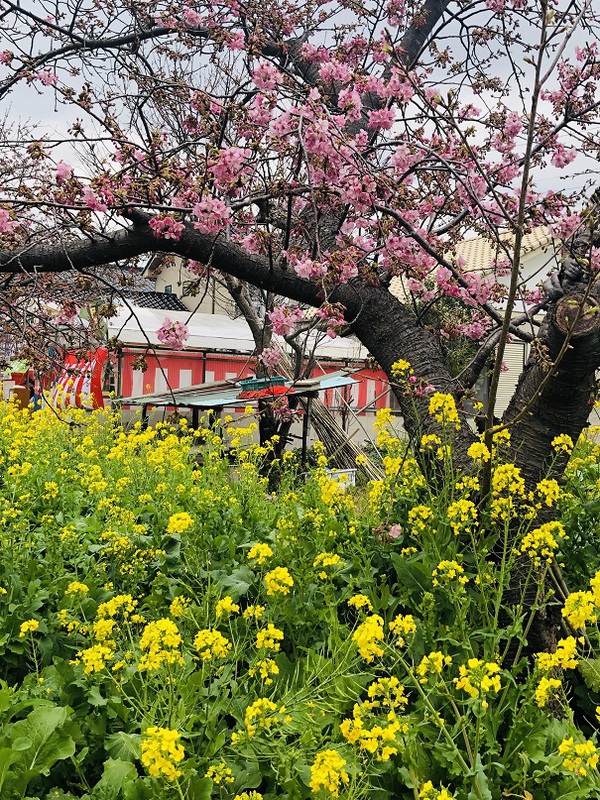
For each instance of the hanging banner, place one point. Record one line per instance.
(80, 382)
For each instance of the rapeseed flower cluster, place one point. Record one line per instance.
(448, 572)
(179, 606)
(432, 665)
(367, 637)
(76, 588)
(579, 609)
(265, 668)
(260, 553)
(180, 522)
(429, 792)
(29, 626)
(543, 542)
(226, 606)
(219, 774)
(546, 690)
(443, 408)
(160, 752)
(324, 560)
(211, 644)
(327, 772)
(462, 515)
(564, 657)
(360, 601)
(120, 604)
(478, 677)
(578, 757)
(160, 643)
(421, 519)
(278, 581)
(269, 638)
(478, 451)
(94, 658)
(563, 444)
(263, 714)
(401, 626)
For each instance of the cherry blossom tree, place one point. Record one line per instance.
(321, 151)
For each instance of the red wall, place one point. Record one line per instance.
(195, 368)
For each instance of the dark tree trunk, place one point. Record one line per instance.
(552, 400)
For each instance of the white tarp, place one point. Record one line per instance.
(138, 326)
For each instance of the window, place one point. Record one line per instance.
(169, 288)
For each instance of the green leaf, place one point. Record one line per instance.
(481, 789)
(237, 583)
(94, 697)
(200, 788)
(123, 746)
(412, 575)
(47, 743)
(590, 672)
(116, 773)
(8, 757)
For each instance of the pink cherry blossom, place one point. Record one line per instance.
(382, 119)
(91, 201)
(173, 334)
(260, 110)
(63, 172)
(230, 166)
(47, 78)
(270, 357)
(166, 228)
(334, 71)
(563, 156)
(266, 76)
(284, 319)
(350, 102)
(7, 225)
(192, 18)
(6, 57)
(213, 215)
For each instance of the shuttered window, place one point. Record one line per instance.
(514, 358)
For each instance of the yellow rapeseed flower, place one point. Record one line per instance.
(443, 408)
(546, 690)
(29, 626)
(226, 606)
(564, 657)
(278, 581)
(75, 588)
(580, 609)
(578, 758)
(478, 677)
(160, 752)
(179, 523)
(269, 638)
(260, 553)
(367, 636)
(432, 664)
(328, 773)
(211, 644)
(360, 601)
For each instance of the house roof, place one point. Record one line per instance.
(161, 300)
(481, 253)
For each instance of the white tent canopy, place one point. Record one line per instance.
(135, 325)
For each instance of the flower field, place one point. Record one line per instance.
(171, 629)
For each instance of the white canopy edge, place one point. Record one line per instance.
(136, 325)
